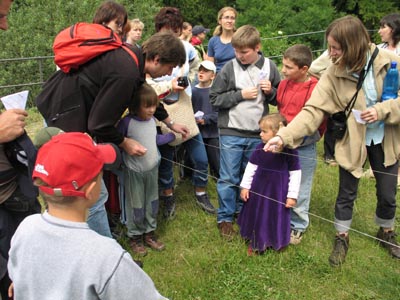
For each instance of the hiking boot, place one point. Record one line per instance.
(226, 230)
(204, 202)
(340, 247)
(295, 237)
(136, 243)
(169, 206)
(151, 241)
(389, 242)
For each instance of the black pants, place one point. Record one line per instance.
(386, 188)
(212, 148)
(12, 212)
(329, 145)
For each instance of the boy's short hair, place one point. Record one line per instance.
(299, 54)
(167, 47)
(69, 161)
(246, 36)
(146, 96)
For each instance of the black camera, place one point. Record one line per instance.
(183, 81)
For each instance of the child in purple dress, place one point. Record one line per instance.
(270, 186)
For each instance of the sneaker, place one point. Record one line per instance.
(389, 242)
(295, 237)
(330, 161)
(204, 202)
(226, 230)
(169, 206)
(151, 241)
(137, 246)
(340, 247)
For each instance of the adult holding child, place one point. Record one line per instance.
(220, 49)
(104, 86)
(352, 52)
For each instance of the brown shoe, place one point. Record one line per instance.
(388, 241)
(136, 243)
(151, 241)
(226, 230)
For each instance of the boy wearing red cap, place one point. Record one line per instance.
(79, 263)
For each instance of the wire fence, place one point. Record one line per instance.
(37, 69)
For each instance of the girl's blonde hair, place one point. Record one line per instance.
(218, 29)
(273, 121)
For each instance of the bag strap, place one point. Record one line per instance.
(360, 82)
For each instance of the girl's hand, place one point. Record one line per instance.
(244, 194)
(290, 202)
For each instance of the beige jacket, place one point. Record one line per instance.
(332, 93)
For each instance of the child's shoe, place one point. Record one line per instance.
(137, 246)
(151, 241)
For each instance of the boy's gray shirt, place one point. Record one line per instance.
(237, 116)
(53, 259)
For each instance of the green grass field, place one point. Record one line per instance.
(198, 264)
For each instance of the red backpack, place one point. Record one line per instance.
(82, 42)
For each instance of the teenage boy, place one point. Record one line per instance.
(207, 115)
(293, 93)
(242, 91)
(55, 255)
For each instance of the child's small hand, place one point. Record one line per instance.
(250, 93)
(244, 194)
(290, 202)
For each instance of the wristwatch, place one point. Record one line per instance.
(170, 123)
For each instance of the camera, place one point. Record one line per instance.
(183, 81)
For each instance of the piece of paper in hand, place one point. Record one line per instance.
(199, 115)
(357, 116)
(17, 100)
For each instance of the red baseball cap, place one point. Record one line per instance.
(70, 160)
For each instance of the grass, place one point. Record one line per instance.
(197, 264)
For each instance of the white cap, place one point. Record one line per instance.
(209, 65)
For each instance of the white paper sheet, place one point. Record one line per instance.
(357, 116)
(17, 100)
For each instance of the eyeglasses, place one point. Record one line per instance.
(229, 18)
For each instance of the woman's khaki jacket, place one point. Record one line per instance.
(332, 93)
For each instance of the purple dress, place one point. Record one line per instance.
(264, 220)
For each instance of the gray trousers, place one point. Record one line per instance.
(141, 201)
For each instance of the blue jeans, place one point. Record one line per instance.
(97, 218)
(234, 153)
(299, 219)
(198, 155)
